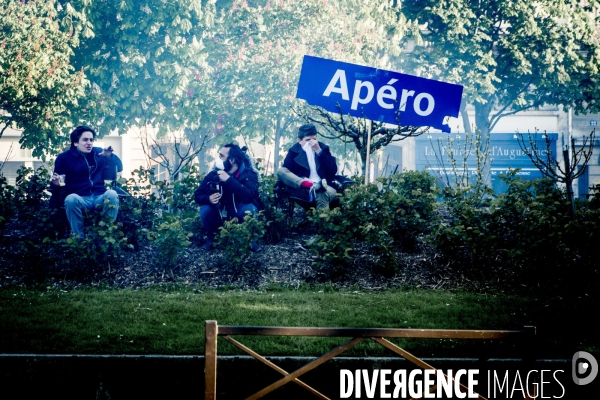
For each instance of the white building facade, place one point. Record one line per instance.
(132, 147)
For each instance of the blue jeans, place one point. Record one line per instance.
(75, 204)
(211, 217)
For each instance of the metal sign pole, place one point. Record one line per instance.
(368, 160)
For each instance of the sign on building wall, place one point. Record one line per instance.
(378, 94)
(434, 154)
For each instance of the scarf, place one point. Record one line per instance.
(310, 155)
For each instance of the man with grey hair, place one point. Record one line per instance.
(309, 168)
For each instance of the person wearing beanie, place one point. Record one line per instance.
(309, 168)
(78, 178)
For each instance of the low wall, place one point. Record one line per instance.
(178, 377)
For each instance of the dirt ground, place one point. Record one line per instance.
(288, 263)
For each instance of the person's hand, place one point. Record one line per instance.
(306, 184)
(223, 176)
(214, 198)
(314, 143)
(107, 152)
(54, 179)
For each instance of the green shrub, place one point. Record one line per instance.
(527, 229)
(526, 220)
(150, 198)
(138, 211)
(414, 201)
(235, 238)
(274, 210)
(26, 204)
(465, 234)
(170, 238)
(394, 211)
(333, 244)
(103, 244)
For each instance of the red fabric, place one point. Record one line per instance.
(306, 184)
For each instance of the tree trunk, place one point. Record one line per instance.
(569, 183)
(277, 144)
(482, 127)
(465, 116)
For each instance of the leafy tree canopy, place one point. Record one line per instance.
(39, 86)
(509, 55)
(229, 67)
(255, 51)
(141, 62)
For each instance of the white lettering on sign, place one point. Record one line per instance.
(430, 104)
(387, 92)
(387, 95)
(495, 151)
(356, 96)
(340, 75)
(405, 95)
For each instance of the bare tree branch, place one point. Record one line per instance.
(172, 154)
(6, 125)
(8, 156)
(572, 158)
(349, 129)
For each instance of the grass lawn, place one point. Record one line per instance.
(170, 320)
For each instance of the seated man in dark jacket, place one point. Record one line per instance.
(78, 176)
(309, 168)
(231, 187)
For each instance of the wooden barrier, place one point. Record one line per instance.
(213, 331)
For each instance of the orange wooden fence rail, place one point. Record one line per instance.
(213, 331)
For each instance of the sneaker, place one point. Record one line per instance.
(254, 247)
(208, 245)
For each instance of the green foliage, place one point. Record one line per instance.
(104, 242)
(394, 211)
(509, 56)
(414, 199)
(176, 64)
(274, 210)
(7, 210)
(255, 53)
(170, 238)
(143, 61)
(235, 238)
(333, 245)
(138, 211)
(24, 206)
(164, 212)
(40, 89)
(40, 229)
(108, 236)
(527, 228)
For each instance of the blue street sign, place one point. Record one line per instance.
(377, 94)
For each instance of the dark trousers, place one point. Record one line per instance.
(211, 217)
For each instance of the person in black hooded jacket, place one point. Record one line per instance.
(231, 187)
